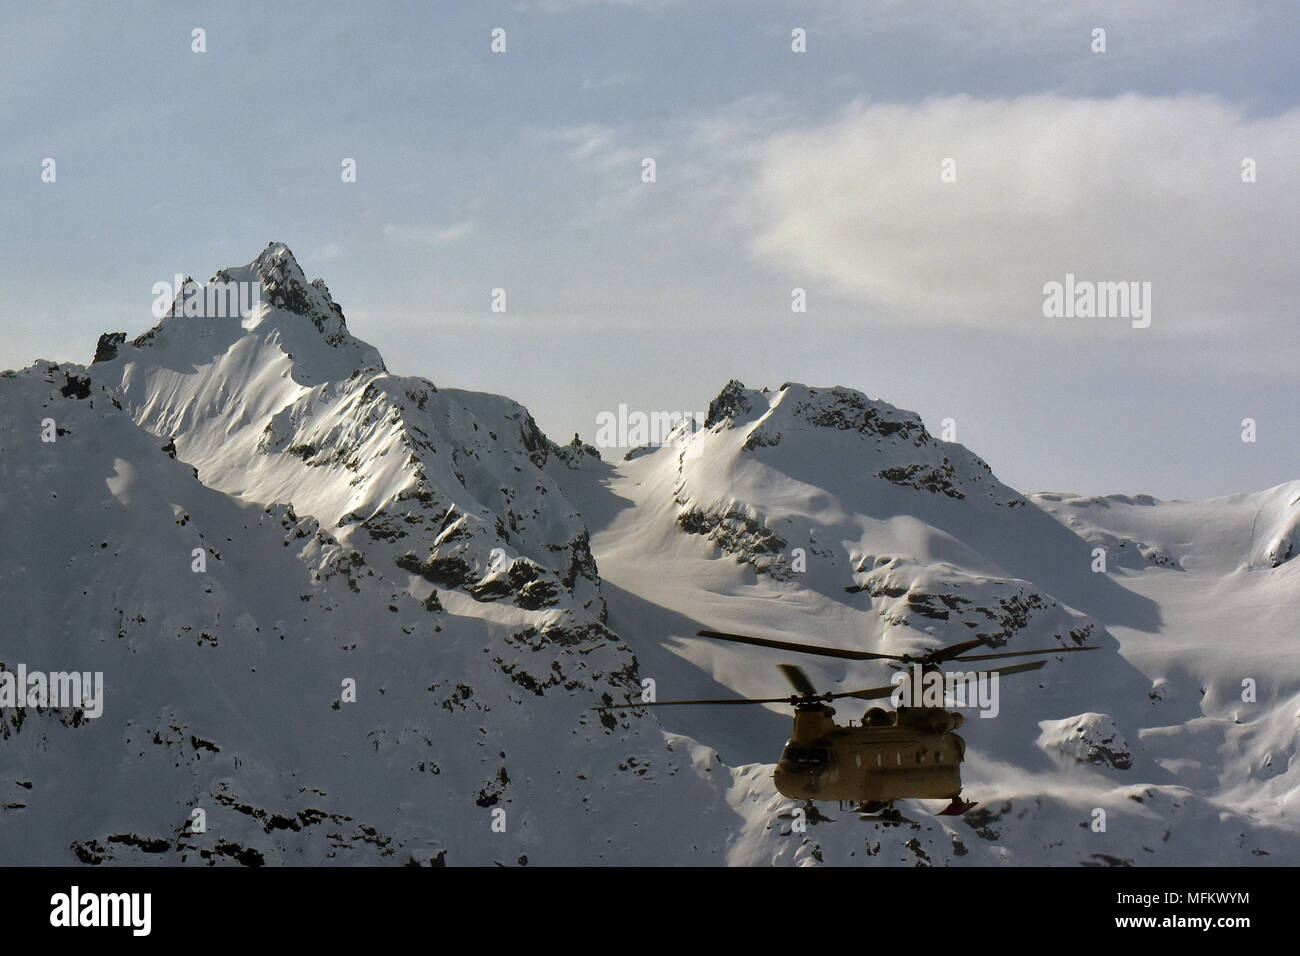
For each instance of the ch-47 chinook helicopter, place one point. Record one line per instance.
(910, 752)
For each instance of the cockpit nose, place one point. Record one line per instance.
(802, 771)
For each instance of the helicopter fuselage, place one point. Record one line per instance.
(909, 753)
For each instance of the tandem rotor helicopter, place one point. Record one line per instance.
(910, 752)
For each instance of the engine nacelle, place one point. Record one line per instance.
(934, 720)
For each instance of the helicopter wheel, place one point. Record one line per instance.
(881, 807)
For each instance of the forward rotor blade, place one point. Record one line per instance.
(803, 648)
(1049, 650)
(675, 703)
(871, 693)
(798, 679)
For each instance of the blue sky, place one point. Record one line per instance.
(774, 170)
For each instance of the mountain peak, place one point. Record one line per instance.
(795, 405)
(285, 286)
(268, 296)
(730, 402)
(893, 444)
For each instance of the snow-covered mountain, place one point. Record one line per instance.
(239, 520)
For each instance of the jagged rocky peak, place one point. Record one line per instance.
(902, 450)
(845, 409)
(575, 454)
(730, 404)
(794, 405)
(285, 286)
(268, 295)
(107, 346)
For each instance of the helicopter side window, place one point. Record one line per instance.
(806, 757)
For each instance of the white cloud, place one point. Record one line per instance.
(1132, 188)
(594, 145)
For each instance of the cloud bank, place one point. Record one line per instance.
(1132, 188)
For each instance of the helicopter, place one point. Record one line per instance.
(908, 753)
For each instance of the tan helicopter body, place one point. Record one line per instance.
(908, 753)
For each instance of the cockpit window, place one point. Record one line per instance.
(805, 756)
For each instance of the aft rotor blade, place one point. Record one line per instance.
(676, 703)
(876, 693)
(1049, 650)
(1016, 668)
(798, 679)
(948, 653)
(804, 648)
(871, 693)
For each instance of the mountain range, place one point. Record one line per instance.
(346, 616)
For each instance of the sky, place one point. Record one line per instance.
(922, 171)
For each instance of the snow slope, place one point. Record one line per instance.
(241, 516)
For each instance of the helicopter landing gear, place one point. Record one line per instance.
(956, 808)
(881, 808)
